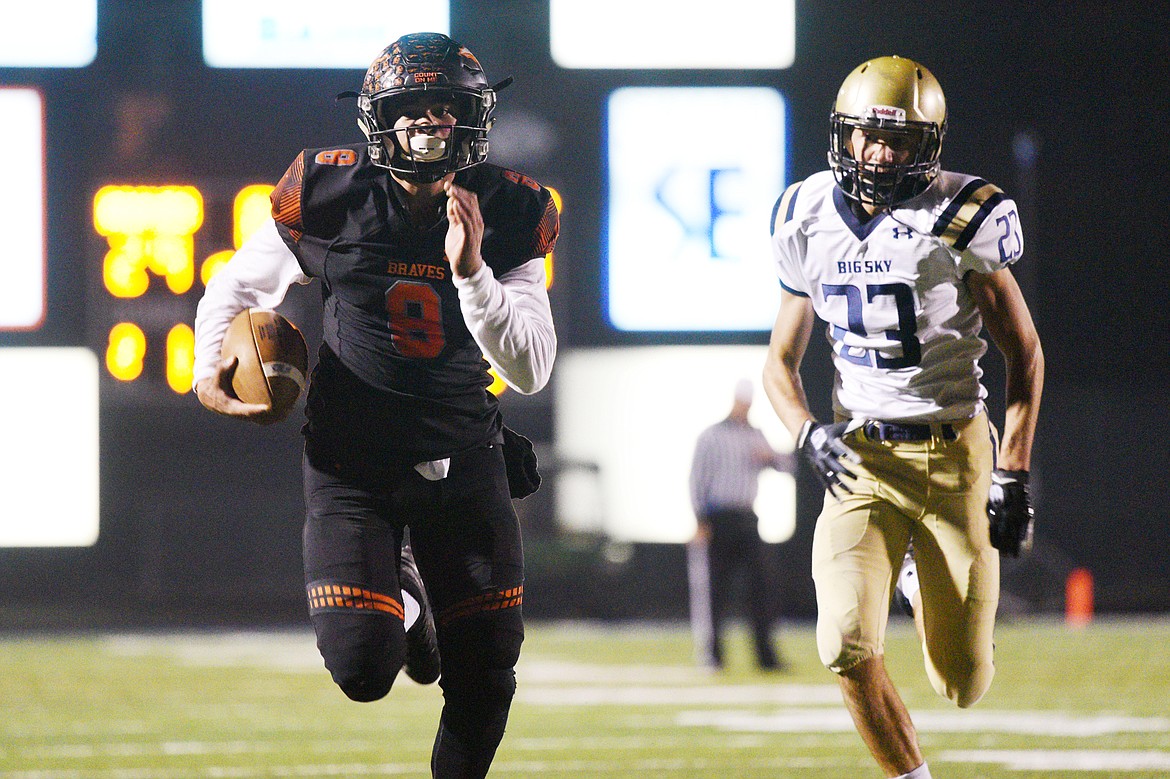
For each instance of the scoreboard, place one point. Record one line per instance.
(151, 275)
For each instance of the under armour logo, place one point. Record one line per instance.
(898, 232)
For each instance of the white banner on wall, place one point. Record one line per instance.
(22, 209)
(667, 34)
(311, 34)
(60, 34)
(49, 459)
(627, 423)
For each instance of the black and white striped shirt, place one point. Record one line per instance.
(729, 457)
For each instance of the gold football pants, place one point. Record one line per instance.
(933, 493)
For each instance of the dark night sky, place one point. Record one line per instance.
(1087, 81)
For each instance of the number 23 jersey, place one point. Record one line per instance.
(400, 375)
(902, 324)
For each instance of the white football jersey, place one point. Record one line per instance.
(903, 326)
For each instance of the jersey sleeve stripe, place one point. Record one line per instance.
(786, 204)
(973, 225)
(790, 290)
(548, 230)
(286, 198)
(961, 219)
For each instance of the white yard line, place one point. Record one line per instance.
(1043, 723)
(1107, 761)
(703, 695)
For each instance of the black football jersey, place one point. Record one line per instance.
(399, 377)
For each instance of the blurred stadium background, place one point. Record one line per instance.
(124, 505)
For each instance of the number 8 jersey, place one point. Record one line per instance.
(902, 325)
(400, 376)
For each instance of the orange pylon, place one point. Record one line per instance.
(1078, 598)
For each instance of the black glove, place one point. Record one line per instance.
(822, 446)
(1009, 509)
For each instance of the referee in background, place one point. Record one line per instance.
(727, 550)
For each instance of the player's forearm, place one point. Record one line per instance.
(511, 321)
(1025, 383)
(785, 391)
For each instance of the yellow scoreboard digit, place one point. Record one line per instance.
(150, 232)
(148, 229)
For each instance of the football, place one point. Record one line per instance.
(273, 359)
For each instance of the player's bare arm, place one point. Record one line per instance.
(1006, 316)
(820, 444)
(789, 340)
(465, 233)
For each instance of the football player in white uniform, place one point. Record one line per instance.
(906, 263)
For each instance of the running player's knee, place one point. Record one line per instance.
(839, 654)
(364, 688)
(976, 685)
(963, 685)
(476, 699)
(363, 677)
(505, 650)
(480, 680)
(363, 662)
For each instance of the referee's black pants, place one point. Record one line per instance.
(738, 574)
(466, 541)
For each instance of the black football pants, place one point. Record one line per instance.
(466, 541)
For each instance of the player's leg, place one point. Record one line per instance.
(880, 716)
(351, 578)
(857, 545)
(471, 559)
(959, 569)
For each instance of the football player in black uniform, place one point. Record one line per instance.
(431, 266)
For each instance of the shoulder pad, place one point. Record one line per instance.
(960, 220)
(785, 206)
(286, 197)
(520, 178)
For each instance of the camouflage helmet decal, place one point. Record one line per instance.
(423, 59)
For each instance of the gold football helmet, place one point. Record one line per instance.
(895, 95)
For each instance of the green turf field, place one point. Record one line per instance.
(593, 702)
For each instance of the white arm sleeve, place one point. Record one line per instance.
(512, 323)
(258, 275)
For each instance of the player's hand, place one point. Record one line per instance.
(464, 231)
(215, 393)
(823, 448)
(1009, 509)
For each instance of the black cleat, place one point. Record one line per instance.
(422, 645)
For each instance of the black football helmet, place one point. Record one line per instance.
(895, 95)
(429, 66)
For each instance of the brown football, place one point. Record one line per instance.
(273, 358)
